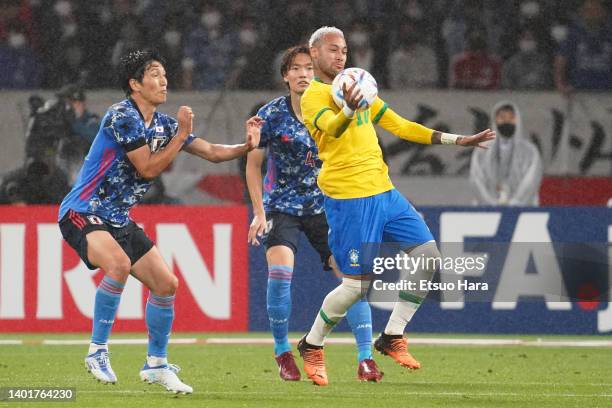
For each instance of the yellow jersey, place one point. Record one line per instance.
(353, 164)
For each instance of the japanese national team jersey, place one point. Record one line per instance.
(108, 185)
(290, 185)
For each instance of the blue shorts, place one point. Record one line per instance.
(356, 223)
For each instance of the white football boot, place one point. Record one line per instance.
(165, 375)
(98, 364)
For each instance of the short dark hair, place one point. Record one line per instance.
(134, 64)
(506, 107)
(290, 55)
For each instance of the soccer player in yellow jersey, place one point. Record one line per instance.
(361, 204)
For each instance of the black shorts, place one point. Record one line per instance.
(132, 239)
(284, 229)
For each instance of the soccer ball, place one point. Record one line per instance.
(365, 83)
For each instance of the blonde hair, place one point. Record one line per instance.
(322, 32)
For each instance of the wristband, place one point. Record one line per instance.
(449, 138)
(348, 112)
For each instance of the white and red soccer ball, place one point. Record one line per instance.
(365, 82)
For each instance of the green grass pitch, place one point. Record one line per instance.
(246, 376)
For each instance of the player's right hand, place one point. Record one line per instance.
(257, 229)
(184, 116)
(352, 95)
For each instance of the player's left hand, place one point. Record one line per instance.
(253, 132)
(477, 139)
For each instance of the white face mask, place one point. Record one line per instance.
(530, 9)
(528, 45)
(559, 32)
(16, 40)
(211, 19)
(358, 38)
(248, 36)
(70, 29)
(414, 11)
(63, 8)
(172, 38)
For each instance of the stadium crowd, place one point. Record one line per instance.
(236, 44)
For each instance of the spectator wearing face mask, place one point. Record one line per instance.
(476, 68)
(171, 48)
(20, 65)
(509, 172)
(412, 64)
(529, 67)
(249, 72)
(584, 59)
(362, 54)
(209, 52)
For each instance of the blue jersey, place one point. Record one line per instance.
(108, 185)
(290, 185)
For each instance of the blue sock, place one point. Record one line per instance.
(159, 315)
(279, 305)
(359, 317)
(106, 303)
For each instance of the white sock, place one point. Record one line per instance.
(409, 302)
(93, 347)
(401, 315)
(334, 308)
(153, 361)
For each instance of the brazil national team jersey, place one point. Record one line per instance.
(108, 185)
(353, 166)
(290, 185)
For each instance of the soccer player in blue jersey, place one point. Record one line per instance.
(133, 146)
(292, 202)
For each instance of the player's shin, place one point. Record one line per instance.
(334, 308)
(159, 317)
(359, 317)
(410, 301)
(278, 301)
(106, 304)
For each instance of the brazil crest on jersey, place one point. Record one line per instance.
(290, 185)
(108, 185)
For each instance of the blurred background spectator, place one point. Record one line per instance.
(36, 182)
(209, 52)
(211, 44)
(584, 60)
(413, 64)
(19, 63)
(358, 40)
(529, 67)
(476, 67)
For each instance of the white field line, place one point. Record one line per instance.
(11, 342)
(334, 340)
(122, 342)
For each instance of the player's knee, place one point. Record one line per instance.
(120, 267)
(431, 258)
(169, 286)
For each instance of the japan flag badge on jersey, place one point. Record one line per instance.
(94, 220)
